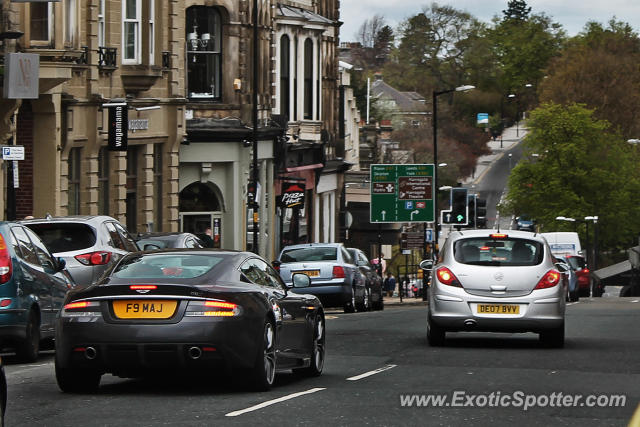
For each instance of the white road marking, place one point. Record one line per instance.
(573, 303)
(368, 374)
(635, 300)
(273, 402)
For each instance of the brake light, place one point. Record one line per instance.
(446, 277)
(143, 287)
(338, 272)
(212, 308)
(81, 309)
(94, 258)
(549, 280)
(6, 266)
(5, 302)
(498, 236)
(585, 270)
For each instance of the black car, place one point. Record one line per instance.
(153, 241)
(204, 310)
(373, 282)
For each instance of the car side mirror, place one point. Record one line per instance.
(151, 247)
(562, 267)
(60, 264)
(275, 264)
(301, 280)
(426, 264)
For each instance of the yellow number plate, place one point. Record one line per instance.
(310, 273)
(144, 309)
(498, 309)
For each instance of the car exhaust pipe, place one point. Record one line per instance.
(195, 353)
(90, 353)
(470, 323)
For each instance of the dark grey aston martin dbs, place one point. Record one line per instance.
(189, 309)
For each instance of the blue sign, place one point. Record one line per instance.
(483, 118)
(408, 205)
(428, 234)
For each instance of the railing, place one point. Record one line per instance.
(107, 57)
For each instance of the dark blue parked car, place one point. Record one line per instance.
(33, 285)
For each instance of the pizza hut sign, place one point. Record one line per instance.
(292, 195)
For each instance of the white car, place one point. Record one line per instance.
(492, 281)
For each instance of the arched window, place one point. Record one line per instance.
(204, 52)
(308, 79)
(285, 77)
(199, 197)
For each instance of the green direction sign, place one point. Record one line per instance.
(402, 193)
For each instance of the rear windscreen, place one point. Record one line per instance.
(65, 237)
(498, 252)
(161, 244)
(310, 254)
(166, 266)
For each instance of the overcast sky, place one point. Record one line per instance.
(572, 14)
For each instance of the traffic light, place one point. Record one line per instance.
(459, 208)
(403, 241)
(471, 202)
(481, 213)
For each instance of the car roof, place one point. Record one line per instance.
(313, 245)
(456, 235)
(70, 218)
(160, 235)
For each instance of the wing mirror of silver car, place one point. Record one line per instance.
(301, 280)
(60, 264)
(563, 267)
(426, 264)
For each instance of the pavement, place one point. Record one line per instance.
(510, 137)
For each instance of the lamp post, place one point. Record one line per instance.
(594, 261)
(435, 152)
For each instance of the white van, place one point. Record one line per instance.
(563, 243)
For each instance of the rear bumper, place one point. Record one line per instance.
(541, 310)
(329, 295)
(129, 349)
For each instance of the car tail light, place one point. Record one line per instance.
(212, 308)
(81, 308)
(498, 236)
(338, 272)
(6, 266)
(6, 302)
(585, 271)
(94, 258)
(549, 280)
(446, 277)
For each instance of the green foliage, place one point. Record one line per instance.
(600, 69)
(581, 168)
(516, 10)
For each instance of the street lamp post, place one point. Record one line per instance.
(594, 255)
(254, 174)
(435, 153)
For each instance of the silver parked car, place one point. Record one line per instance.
(335, 279)
(490, 281)
(88, 244)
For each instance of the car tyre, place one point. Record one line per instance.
(318, 350)
(263, 373)
(77, 380)
(350, 307)
(553, 338)
(28, 349)
(436, 335)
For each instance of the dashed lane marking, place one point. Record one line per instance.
(368, 374)
(273, 402)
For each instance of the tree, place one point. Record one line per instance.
(516, 10)
(523, 47)
(580, 168)
(598, 68)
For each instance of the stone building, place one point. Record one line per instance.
(184, 69)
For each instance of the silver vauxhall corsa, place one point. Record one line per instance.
(492, 281)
